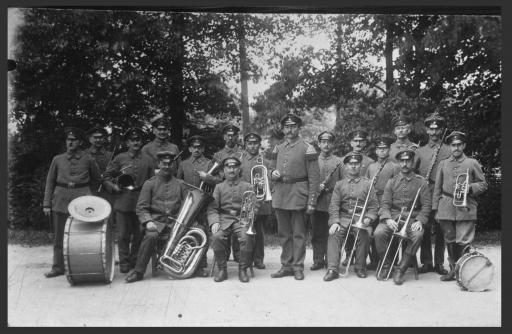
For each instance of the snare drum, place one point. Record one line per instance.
(474, 271)
(88, 241)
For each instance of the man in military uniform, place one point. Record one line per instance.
(162, 131)
(351, 188)
(331, 168)
(403, 128)
(97, 137)
(230, 149)
(224, 220)
(429, 157)
(399, 194)
(383, 170)
(251, 158)
(124, 177)
(194, 172)
(70, 176)
(297, 177)
(157, 206)
(457, 222)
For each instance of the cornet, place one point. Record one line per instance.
(247, 211)
(460, 193)
(259, 181)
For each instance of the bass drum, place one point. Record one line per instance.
(474, 271)
(88, 241)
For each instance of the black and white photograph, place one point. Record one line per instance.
(284, 166)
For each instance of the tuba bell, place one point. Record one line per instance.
(186, 244)
(460, 193)
(259, 181)
(247, 211)
(203, 185)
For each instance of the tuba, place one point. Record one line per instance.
(460, 193)
(186, 244)
(259, 181)
(247, 211)
(204, 186)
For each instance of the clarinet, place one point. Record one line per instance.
(330, 174)
(378, 172)
(427, 176)
(108, 163)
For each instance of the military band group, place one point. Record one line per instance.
(355, 205)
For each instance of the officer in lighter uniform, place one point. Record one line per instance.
(399, 193)
(70, 176)
(427, 164)
(457, 222)
(296, 173)
(331, 167)
(251, 158)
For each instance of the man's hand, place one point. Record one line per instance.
(321, 187)
(416, 226)
(215, 227)
(202, 175)
(366, 221)
(275, 175)
(392, 224)
(116, 189)
(334, 228)
(151, 226)
(47, 211)
(310, 209)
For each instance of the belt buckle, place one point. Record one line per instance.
(71, 185)
(286, 179)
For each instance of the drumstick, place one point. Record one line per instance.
(487, 264)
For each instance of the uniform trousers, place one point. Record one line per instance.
(291, 229)
(335, 242)
(320, 234)
(259, 238)
(460, 232)
(148, 247)
(129, 235)
(383, 234)
(426, 244)
(219, 243)
(59, 223)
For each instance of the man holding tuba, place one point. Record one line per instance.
(400, 193)
(258, 177)
(224, 214)
(137, 168)
(158, 204)
(461, 177)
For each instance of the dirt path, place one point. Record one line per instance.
(34, 300)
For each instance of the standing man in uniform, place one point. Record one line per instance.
(251, 158)
(403, 128)
(162, 131)
(296, 173)
(97, 138)
(194, 171)
(346, 192)
(230, 149)
(383, 170)
(399, 194)
(457, 222)
(157, 206)
(136, 168)
(224, 220)
(70, 176)
(429, 157)
(331, 170)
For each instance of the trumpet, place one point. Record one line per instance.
(247, 211)
(460, 193)
(259, 181)
(402, 234)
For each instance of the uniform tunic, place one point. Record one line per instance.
(327, 164)
(152, 148)
(445, 185)
(395, 147)
(189, 168)
(387, 168)
(425, 156)
(77, 168)
(102, 158)
(227, 199)
(364, 165)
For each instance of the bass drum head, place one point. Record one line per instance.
(89, 208)
(474, 272)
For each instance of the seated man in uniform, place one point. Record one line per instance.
(158, 205)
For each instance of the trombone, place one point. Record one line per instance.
(358, 225)
(460, 193)
(402, 234)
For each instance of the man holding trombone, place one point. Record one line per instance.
(404, 209)
(459, 179)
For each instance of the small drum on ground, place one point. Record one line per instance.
(88, 241)
(474, 271)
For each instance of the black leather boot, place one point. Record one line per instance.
(245, 259)
(242, 274)
(222, 273)
(398, 276)
(452, 259)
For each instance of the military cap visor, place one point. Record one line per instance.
(231, 161)
(456, 137)
(383, 142)
(405, 154)
(230, 129)
(291, 119)
(195, 141)
(166, 156)
(435, 122)
(358, 135)
(400, 121)
(76, 133)
(252, 137)
(97, 131)
(162, 121)
(134, 133)
(326, 135)
(352, 157)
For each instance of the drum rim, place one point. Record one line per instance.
(109, 277)
(65, 248)
(85, 219)
(460, 263)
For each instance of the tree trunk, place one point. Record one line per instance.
(176, 102)
(244, 76)
(388, 55)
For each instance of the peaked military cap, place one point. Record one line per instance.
(252, 136)
(383, 142)
(405, 154)
(358, 134)
(435, 121)
(161, 121)
(73, 131)
(290, 119)
(97, 129)
(195, 140)
(353, 157)
(456, 137)
(231, 161)
(167, 155)
(134, 133)
(401, 120)
(326, 135)
(230, 128)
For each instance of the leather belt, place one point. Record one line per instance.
(447, 194)
(287, 179)
(230, 212)
(72, 185)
